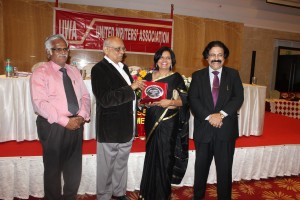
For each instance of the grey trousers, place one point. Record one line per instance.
(112, 159)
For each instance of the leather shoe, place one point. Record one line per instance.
(121, 198)
(193, 198)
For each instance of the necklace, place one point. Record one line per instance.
(163, 75)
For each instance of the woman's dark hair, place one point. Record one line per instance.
(159, 53)
(212, 44)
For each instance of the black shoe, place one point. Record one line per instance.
(121, 198)
(193, 198)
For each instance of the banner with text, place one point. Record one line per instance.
(88, 31)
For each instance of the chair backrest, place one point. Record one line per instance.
(274, 94)
(35, 66)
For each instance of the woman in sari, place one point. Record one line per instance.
(166, 127)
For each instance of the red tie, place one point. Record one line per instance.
(215, 87)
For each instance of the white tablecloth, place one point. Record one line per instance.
(251, 114)
(17, 119)
(23, 176)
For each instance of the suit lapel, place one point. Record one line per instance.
(207, 87)
(113, 70)
(125, 68)
(223, 87)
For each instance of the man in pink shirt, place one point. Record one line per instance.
(60, 131)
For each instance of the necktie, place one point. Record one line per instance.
(215, 87)
(70, 93)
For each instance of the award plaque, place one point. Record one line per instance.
(153, 91)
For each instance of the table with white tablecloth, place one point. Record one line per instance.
(17, 119)
(22, 176)
(251, 114)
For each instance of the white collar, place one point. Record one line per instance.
(211, 70)
(121, 65)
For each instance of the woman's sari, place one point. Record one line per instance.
(167, 139)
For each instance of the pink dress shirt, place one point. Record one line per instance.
(48, 94)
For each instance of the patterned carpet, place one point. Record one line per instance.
(279, 188)
(285, 188)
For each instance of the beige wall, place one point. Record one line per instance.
(24, 25)
(262, 41)
(27, 23)
(1, 39)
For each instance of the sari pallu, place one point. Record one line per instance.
(162, 130)
(181, 152)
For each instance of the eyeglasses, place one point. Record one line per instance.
(60, 50)
(216, 55)
(118, 49)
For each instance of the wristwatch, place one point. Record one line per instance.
(222, 116)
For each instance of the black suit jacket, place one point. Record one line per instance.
(114, 112)
(230, 99)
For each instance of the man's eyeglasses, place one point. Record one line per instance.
(60, 50)
(118, 49)
(216, 55)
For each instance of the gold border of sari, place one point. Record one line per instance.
(161, 118)
(162, 77)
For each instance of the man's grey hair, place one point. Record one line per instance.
(106, 43)
(48, 42)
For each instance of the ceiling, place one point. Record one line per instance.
(289, 3)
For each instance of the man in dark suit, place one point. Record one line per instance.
(215, 95)
(114, 89)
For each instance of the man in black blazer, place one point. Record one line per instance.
(215, 119)
(114, 89)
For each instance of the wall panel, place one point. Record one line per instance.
(27, 23)
(263, 42)
(1, 39)
(188, 43)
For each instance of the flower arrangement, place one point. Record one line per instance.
(187, 81)
(137, 73)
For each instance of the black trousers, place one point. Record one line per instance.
(222, 152)
(62, 155)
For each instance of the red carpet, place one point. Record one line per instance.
(278, 130)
